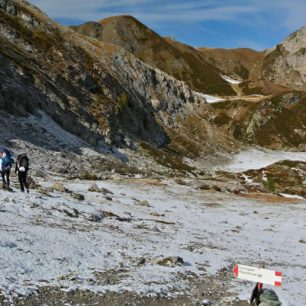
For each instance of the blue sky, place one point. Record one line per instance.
(257, 24)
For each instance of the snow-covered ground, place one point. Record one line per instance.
(257, 158)
(57, 240)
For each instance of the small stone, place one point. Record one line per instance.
(31, 183)
(44, 191)
(141, 261)
(204, 187)
(58, 186)
(144, 203)
(206, 303)
(78, 196)
(94, 188)
(95, 218)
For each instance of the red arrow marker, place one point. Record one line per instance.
(236, 271)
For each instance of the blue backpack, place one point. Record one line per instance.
(6, 163)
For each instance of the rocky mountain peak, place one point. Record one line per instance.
(286, 63)
(296, 41)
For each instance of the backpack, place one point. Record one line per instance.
(23, 161)
(269, 298)
(6, 164)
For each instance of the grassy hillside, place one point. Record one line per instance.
(276, 123)
(243, 62)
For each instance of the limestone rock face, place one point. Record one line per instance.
(286, 63)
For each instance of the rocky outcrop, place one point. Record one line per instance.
(286, 63)
(286, 177)
(276, 122)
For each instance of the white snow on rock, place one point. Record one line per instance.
(230, 80)
(212, 99)
(256, 158)
(291, 196)
(58, 241)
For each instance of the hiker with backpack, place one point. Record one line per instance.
(22, 167)
(264, 297)
(6, 163)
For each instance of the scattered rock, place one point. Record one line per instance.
(217, 188)
(105, 191)
(94, 188)
(44, 191)
(170, 261)
(77, 196)
(57, 186)
(141, 261)
(109, 214)
(204, 187)
(31, 183)
(144, 203)
(95, 218)
(74, 214)
(156, 214)
(180, 181)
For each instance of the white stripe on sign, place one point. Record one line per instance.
(258, 275)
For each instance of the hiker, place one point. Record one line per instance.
(255, 294)
(22, 167)
(6, 165)
(264, 297)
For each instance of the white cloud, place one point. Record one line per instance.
(283, 13)
(269, 20)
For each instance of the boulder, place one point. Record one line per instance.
(58, 186)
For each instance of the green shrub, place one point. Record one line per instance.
(269, 184)
(123, 101)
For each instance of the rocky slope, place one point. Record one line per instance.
(186, 64)
(286, 63)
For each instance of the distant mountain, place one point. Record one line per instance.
(286, 63)
(186, 64)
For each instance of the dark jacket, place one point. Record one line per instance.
(22, 161)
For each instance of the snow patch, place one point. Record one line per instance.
(230, 79)
(256, 158)
(212, 99)
(291, 196)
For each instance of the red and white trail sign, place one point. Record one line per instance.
(258, 275)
